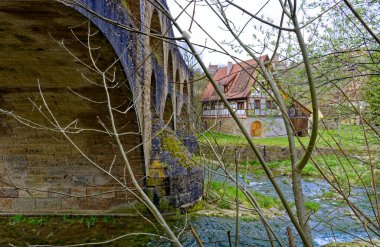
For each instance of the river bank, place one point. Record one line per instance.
(331, 222)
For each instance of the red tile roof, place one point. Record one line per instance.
(238, 82)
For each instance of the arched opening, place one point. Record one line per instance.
(153, 94)
(256, 129)
(185, 93)
(45, 160)
(168, 109)
(177, 80)
(185, 111)
(156, 45)
(168, 113)
(170, 72)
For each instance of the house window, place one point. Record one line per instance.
(268, 104)
(257, 104)
(291, 112)
(298, 111)
(240, 105)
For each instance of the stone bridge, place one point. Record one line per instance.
(40, 170)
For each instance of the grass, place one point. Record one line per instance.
(337, 168)
(349, 137)
(89, 221)
(228, 193)
(18, 218)
(345, 170)
(225, 139)
(45, 230)
(37, 221)
(312, 206)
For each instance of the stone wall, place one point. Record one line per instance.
(269, 153)
(40, 171)
(272, 126)
(175, 180)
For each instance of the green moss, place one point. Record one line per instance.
(125, 4)
(177, 149)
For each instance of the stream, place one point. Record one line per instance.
(333, 221)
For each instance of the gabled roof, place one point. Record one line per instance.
(238, 81)
(307, 110)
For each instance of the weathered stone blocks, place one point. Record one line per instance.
(8, 192)
(51, 174)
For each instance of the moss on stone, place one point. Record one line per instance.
(177, 149)
(125, 4)
(196, 207)
(165, 204)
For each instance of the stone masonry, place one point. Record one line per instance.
(40, 170)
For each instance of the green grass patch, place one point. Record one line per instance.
(37, 221)
(227, 193)
(90, 221)
(15, 219)
(348, 136)
(249, 217)
(312, 206)
(224, 204)
(345, 170)
(109, 220)
(19, 218)
(225, 139)
(196, 207)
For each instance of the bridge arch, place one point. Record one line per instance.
(69, 184)
(178, 92)
(169, 104)
(156, 45)
(153, 95)
(41, 160)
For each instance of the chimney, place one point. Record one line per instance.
(229, 67)
(212, 69)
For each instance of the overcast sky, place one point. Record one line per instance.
(214, 27)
